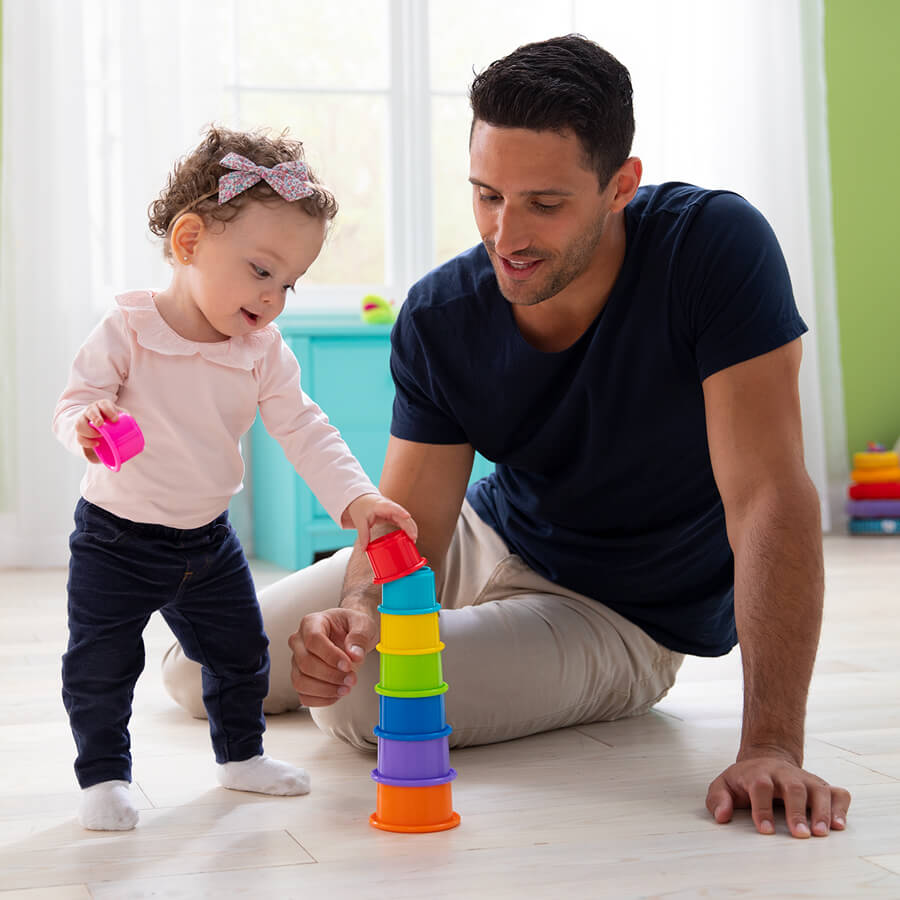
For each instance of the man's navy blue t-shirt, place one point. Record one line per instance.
(603, 481)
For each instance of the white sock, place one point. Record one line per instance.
(263, 775)
(107, 807)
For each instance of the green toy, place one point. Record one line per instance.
(376, 310)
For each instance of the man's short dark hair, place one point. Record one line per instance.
(564, 83)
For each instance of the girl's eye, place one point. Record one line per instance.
(287, 287)
(258, 270)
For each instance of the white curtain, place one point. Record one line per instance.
(100, 96)
(43, 265)
(731, 94)
(833, 482)
(73, 230)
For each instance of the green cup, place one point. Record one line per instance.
(411, 671)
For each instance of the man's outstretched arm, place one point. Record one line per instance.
(774, 528)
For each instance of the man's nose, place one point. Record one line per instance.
(510, 235)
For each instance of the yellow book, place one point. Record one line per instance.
(875, 476)
(884, 459)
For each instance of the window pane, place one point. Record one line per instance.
(344, 137)
(454, 225)
(456, 50)
(313, 44)
(472, 33)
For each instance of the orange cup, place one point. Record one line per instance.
(414, 810)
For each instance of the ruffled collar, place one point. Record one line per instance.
(153, 333)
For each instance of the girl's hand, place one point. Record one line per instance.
(95, 414)
(368, 509)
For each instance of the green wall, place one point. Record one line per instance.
(862, 66)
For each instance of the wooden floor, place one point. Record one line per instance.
(602, 811)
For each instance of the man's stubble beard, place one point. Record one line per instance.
(577, 258)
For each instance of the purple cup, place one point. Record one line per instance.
(119, 441)
(413, 760)
(413, 782)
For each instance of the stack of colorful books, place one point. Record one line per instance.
(874, 504)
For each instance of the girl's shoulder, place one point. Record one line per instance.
(152, 332)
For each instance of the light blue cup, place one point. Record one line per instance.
(412, 595)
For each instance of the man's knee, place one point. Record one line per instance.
(352, 719)
(183, 680)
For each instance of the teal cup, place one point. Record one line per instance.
(411, 595)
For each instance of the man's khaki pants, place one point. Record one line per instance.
(522, 654)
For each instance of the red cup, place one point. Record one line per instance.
(394, 556)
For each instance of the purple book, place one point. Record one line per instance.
(873, 509)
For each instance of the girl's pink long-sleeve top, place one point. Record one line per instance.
(193, 402)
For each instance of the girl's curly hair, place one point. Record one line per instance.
(193, 184)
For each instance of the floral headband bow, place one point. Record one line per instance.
(289, 179)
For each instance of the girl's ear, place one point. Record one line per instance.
(186, 234)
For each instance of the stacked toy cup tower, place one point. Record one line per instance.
(413, 773)
(874, 504)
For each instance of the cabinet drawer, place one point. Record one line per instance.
(351, 381)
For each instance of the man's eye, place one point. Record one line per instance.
(488, 198)
(547, 207)
(262, 273)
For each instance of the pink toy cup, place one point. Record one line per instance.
(394, 556)
(119, 441)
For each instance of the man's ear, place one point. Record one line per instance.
(626, 181)
(186, 234)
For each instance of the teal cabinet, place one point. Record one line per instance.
(344, 368)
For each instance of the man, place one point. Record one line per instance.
(629, 358)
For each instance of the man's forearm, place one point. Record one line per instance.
(358, 591)
(778, 597)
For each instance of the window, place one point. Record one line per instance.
(376, 90)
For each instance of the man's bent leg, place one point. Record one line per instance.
(522, 654)
(283, 605)
(530, 656)
(523, 660)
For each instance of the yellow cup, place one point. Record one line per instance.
(409, 632)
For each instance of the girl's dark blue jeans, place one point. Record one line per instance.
(120, 572)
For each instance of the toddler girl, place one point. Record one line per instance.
(243, 218)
